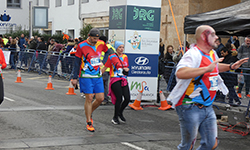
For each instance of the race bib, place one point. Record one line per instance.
(214, 83)
(95, 60)
(119, 72)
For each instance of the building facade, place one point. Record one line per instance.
(69, 16)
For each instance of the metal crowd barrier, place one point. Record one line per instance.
(241, 73)
(43, 62)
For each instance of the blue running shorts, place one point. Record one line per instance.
(91, 85)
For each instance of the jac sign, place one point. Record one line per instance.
(143, 18)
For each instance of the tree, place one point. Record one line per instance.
(85, 30)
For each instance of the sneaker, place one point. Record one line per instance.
(91, 121)
(122, 119)
(238, 103)
(90, 127)
(248, 95)
(115, 121)
(239, 95)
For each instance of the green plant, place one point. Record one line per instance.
(85, 30)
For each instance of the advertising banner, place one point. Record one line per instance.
(117, 17)
(146, 85)
(116, 35)
(145, 42)
(137, 24)
(143, 18)
(143, 65)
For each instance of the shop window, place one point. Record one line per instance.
(58, 3)
(13, 3)
(71, 2)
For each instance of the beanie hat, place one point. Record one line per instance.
(94, 32)
(117, 44)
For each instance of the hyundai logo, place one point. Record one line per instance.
(141, 60)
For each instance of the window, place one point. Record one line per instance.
(46, 3)
(71, 2)
(13, 3)
(85, 1)
(37, 2)
(58, 3)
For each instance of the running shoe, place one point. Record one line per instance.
(91, 121)
(90, 127)
(239, 95)
(115, 121)
(122, 119)
(248, 95)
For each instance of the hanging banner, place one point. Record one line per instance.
(137, 24)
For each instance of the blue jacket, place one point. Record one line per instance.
(21, 42)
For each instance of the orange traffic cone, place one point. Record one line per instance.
(71, 89)
(49, 85)
(137, 103)
(18, 79)
(164, 103)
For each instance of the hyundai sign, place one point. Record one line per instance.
(143, 65)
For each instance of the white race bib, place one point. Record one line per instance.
(119, 72)
(95, 61)
(214, 83)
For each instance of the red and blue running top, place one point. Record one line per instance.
(115, 65)
(90, 58)
(202, 89)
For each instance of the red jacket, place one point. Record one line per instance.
(2, 59)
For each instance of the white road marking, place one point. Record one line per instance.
(133, 146)
(35, 78)
(9, 99)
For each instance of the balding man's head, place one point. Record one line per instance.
(206, 35)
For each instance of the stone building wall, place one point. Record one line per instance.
(181, 8)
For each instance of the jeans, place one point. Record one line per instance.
(12, 61)
(193, 120)
(246, 81)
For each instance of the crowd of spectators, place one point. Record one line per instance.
(231, 51)
(19, 46)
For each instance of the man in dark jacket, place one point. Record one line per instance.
(41, 47)
(22, 44)
(33, 43)
(229, 78)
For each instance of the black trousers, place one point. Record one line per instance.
(1, 90)
(120, 91)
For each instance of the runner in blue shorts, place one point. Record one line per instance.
(87, 67)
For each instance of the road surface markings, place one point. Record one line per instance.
(9, 99)
(133, 146)
(35, 78)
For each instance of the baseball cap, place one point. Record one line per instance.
(94, 32)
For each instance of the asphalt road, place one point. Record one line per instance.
(38, 119)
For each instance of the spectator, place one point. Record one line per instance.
(105, 75)
(118, 63)
(1, 41)
(13, 54)
(161, 49)
(67, 62)
(243, 52)
(22, 44)
(5, 41)
(3, 65)
(32, 43)
(41, 47)
(170, 64)
(220, 46)
(177, 55)
(54, 57)
(8, 43)
(50, 52)
(234, 40)
(230, 80)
